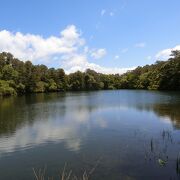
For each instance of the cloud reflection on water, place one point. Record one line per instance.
(69, 119)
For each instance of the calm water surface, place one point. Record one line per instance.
(127, 134)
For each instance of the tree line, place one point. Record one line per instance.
(18, 77)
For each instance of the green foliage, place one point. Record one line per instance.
(18, 77)
(21, 88)
(52, 86)
(8, 73)
(40, 87)
(6, 89)
(163, 75)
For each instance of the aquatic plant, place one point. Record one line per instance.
(162, 162)
(178, 165)
(40, 174)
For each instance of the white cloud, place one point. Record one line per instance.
(111, 14)
(98, 53)
(98, 68)
(116, 57)
(74, 61)
(103, 11)
(108, 70)
(140, 45)
(80, 62)
(69, 50)
(86, 49)
(165, 54)
(35, 47)
(148, 57)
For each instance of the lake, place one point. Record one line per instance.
(122, 134)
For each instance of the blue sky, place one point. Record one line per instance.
(117, 34)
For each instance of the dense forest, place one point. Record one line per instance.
(18, 77)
